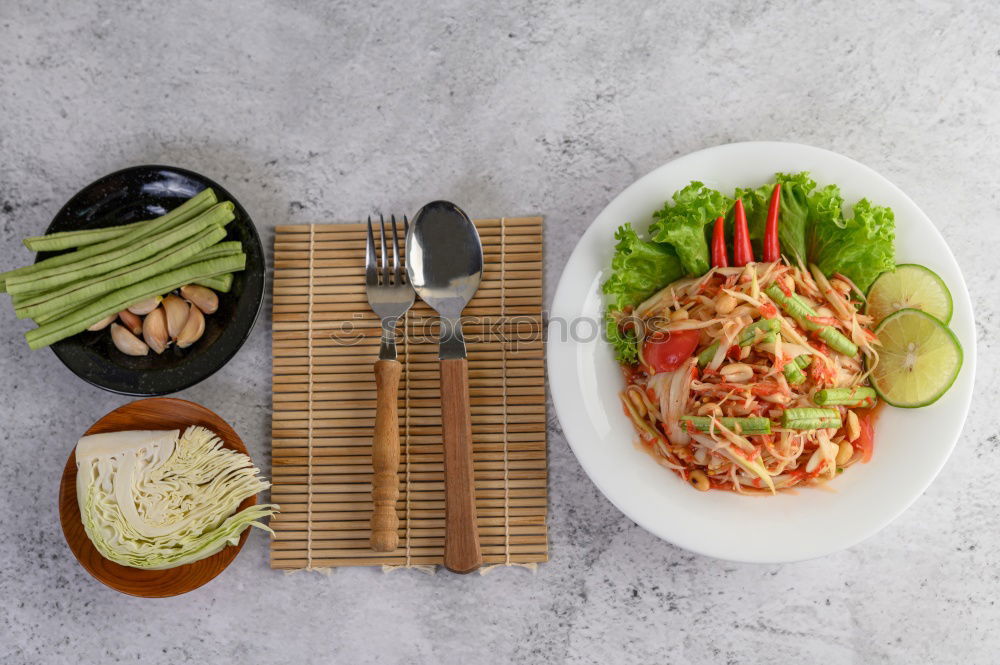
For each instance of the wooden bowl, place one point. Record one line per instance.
(160, 413)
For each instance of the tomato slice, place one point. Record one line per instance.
(665, 352)
(866, 442)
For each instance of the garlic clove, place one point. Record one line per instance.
(131, 321)
(126, 342)
(201, 297)
(103, 323)
(193, 329)
(144, 307)
(154, 330)
(177, 310)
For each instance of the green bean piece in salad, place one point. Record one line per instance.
(793, 369)
(855, 397)
(743, 426)
(760, 327)
(804, 315)
(810, 419)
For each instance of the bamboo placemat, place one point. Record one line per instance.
(325, 343)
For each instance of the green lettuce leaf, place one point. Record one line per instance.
(861, 247)
(625, 343)
(826, 219)
(793, 220)
(639, 268)
(685, 226)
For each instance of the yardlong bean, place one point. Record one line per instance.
(744, 426)
(765, 326)
(219, 283)
(111, 244)
(807, 418)
(858, 396)
(801, 312)
(793, 369)
(116, 301)
(707, 354)
(53, 242)
(87, 289)
(52, 278)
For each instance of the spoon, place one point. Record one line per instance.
(444, 260)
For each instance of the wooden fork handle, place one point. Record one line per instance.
(461, 535)
(385, 458)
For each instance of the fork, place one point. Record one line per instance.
(390, 295)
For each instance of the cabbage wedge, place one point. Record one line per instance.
(158, 500)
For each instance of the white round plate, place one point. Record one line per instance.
(911, 445)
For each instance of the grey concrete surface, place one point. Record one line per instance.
(325, 111)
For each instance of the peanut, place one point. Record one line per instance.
(737, 372)
(725, 304)
(853, 427)
(845, 453)
(699, 480)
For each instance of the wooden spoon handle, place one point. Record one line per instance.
(385, 458)
(461, 535)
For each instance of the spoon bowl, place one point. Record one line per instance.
(444, 257)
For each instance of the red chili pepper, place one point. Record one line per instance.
(719, 258)
(742, 251)
(772, 248)
(768, 311)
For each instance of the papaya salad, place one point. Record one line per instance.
(742, 331)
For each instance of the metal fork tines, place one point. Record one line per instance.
(389, 292)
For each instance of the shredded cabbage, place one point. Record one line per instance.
(158, 500)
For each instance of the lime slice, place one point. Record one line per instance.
(909, 285)
(919, 359)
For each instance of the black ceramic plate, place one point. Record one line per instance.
(144, 192)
